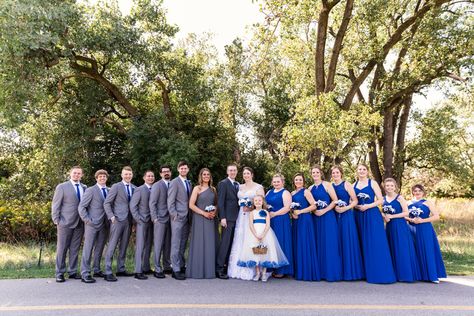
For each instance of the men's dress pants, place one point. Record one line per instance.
(177, 250)
(142, 250)
(119, 234)
(94, 240)
(68, 241)
(225, 246)
(166, 248)
(160, 232)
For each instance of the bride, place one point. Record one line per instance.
(242, 227)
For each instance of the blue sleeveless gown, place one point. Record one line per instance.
(401, 244)
(281, 225)
(306, 265)
(377, 259)
(352, 264)
(426, 244)
(327, 237)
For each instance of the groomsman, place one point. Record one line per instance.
(160, 218)
(178, 207)
(228, 207)
(70, 229)
(117, 208)
(91, 211)
(139, 207)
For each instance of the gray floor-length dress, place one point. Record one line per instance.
(202, 247)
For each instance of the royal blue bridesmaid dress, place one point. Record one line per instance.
(352, 263)
(426, 244)
(281, 225)
(306, 266)
(401, 244)
(375, 251)
(327, 237)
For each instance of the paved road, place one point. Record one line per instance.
(128, 296)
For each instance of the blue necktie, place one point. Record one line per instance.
(104, 192)
(78, 193)
(236, 186)
(187, 186)
(128, 192)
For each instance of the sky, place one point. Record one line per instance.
(228, 19)
(225, 19)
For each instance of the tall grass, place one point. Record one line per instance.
(456, 234)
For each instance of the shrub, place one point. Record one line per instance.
(26, 221)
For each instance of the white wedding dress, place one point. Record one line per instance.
(242, 228)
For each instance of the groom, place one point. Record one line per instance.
(228, 206)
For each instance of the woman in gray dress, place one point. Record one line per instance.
(202, 248)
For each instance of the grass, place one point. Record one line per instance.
(455, 233)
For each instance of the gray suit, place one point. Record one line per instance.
(178, 207)
(160, 218)
(139, 207)
(91, 210)
(69, 227)
(117, 204)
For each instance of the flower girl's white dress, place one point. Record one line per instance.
(274, 258)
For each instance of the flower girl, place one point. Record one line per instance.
(261, 248)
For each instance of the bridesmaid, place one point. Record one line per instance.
(377, 260)
(422, 214)
(400, 241)
(280, 200)
(352, 264)
(306, 261)
(202, 248)
(326, 228)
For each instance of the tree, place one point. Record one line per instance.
(366, 57)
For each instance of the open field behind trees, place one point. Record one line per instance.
(455, 232)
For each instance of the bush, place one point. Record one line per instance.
(26, 221)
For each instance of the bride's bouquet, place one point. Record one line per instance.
(245, 202)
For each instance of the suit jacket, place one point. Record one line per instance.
(116, 204)
(91, 207)
(227, 200)
(139, 204)
(65, 203)
(159, 202)
(178, 199)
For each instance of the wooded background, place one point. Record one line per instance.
(327, 82)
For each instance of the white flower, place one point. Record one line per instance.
(415, 211)
(210, 208)
(363, 196)
(388, 209)
(295, 205)
(341, 203)
(321, 204)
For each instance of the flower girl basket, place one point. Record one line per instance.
(261, 249)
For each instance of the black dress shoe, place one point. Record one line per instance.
(99, 274)
(140, 276)
(159, 275)
(60, 278)
(88, 279)
(110, 278)
(124, 274)
(178, 275)
(148, 272)
(168, 271)
(74, 276)
(221, 275)
(182, 270)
